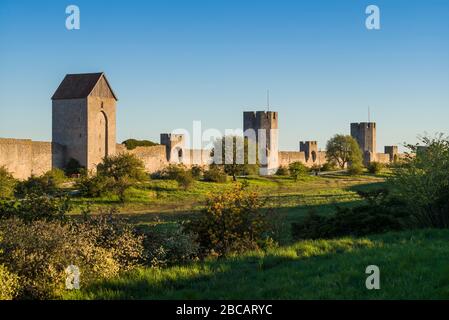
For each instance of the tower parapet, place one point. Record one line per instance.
(365, 135)
(310, 148)
(174, 147)
(262, 127)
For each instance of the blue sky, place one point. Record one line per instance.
(173, 62)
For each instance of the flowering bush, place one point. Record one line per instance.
(233, 221)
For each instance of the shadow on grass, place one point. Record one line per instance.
(323, 269)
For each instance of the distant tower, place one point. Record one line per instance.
(84, 108)
(365, 134)
(174, 147)
(310, 148)
(393, 152)
(262, 127)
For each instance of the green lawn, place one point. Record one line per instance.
(413, 265)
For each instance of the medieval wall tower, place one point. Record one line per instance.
(174, 147)
(365, 135)
(310, 148)
(262, 127)
(84, 115)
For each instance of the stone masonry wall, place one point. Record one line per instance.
(24, 158)
(153, 157)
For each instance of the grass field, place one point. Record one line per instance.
(163, 202)
(413, 265)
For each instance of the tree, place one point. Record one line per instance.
(131, 144)
(422, 182)
(297, 169)
(236, 161)
(73, 167)
(344, 150)
(7, 183)
(123, 171)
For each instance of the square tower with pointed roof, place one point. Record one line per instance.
(84, 113)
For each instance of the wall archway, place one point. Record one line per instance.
(103, 134)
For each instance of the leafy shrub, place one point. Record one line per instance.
(92, 185)
(131, 144)
(328, 166)
(116, 235)
(282, 171)
(180, 174)
(46, 184)
(116, 174)
(375, 167)
(36, 207)
(73, 167)
(9, 284)
(169, 247)
(215, 174)
(297, 170)
(40, 252)
(122, 166)
(185, 179)
(7, 184)
(422, 182)
(381, 213)
(233, 221)
(196, 172)
(355, 169)
(172, 171)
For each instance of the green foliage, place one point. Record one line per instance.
(131, 144)
(180, 174)
(328, 166)
(39, 253)
(375, 167)
(120, 172)
(36, 207)
(344, 150)
(122, 166)
(185, 179)
(90, 185)
(9, 284)
(47, 184)
(196, 172)
(170, 247)
(116, 235)
(236, 162)
(215, 174)
(355, 169)
(7, 184)
(422, 182)
(73, 167)
(282, 171)
(381, 213)
(233, 221)
(172, 171)
(297, 170)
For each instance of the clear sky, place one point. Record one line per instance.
(172, 62)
